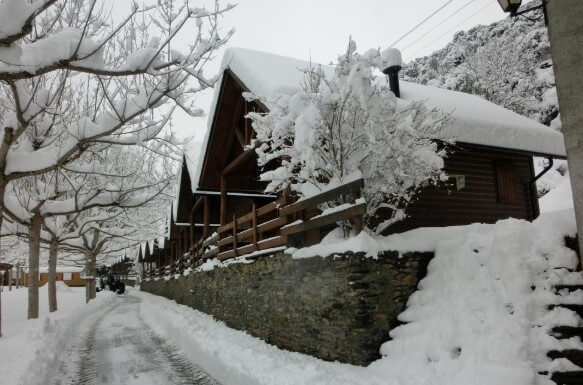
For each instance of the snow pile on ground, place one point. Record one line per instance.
(479, 317)
(234, 357)
(28, 349)
(476, 318)
(554, 186)
(559, 197)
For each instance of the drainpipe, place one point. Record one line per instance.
(533, 185)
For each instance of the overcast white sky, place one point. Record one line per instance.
(320, 29)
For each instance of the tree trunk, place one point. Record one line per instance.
(90, 260)
(565, 35)
(2, 192)
(53, 250)
(33, 262)
(10, 279)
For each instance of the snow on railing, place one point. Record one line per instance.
(273, 226)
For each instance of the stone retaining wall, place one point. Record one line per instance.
(336, 308)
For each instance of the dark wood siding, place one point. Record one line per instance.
(497, 186)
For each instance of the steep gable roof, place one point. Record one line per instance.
(476, 121)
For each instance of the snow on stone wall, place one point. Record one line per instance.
(339, 308)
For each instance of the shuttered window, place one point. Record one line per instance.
(506, 183)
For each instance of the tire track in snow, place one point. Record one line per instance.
(186, 372)
(77, 367)
(120, 347)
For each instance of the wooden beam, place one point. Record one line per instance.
(323, 220)
(246, 123)
(223, 207)
(351, 187)
(238, 160)
(195, 206)
(206, 217)
(254, 225)
(239, 136)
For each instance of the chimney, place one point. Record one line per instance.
(392, 63)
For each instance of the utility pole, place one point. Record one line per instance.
(565, 27)
(1, 283)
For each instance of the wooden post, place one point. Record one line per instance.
(10, 279)
(159, 259)
(246, 123)
(357, 224)
(192, 233)
(223, 208)
(179, 246)
(207, 217)
(235, 234)
(358, 218)
(254, 219)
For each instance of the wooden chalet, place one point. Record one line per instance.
(4, 273)
(490, 167)
(71, 276)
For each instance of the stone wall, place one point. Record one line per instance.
(336, 308)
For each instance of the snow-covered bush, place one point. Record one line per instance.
(347, 123)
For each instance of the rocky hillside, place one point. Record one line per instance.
(507, 62)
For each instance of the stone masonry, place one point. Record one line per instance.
(338, 308)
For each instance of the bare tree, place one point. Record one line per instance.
(73, 81)
(70, 77)
(48, 206)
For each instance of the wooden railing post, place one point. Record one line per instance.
(254, 223)
(359, 218)
(235, 234)
(357, 224)
(194, 254)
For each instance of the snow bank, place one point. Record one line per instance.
(479, 317)
(475, 318)
(559, 198)
(30, 349)
(234, 357)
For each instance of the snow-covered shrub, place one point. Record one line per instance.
(345, 124)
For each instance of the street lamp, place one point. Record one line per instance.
(512, 6)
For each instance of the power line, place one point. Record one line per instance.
(439, 24)
(423, 22)
(451, 29)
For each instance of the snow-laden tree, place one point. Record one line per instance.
(50, 207)
(346, 123)
(101, 235)
(71, 77)
(507, 62)
(497, 72)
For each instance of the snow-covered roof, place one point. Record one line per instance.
(190, 161)
(476, 121)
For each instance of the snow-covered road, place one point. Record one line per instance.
(116, 346)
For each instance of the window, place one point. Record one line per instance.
(506, 184)
(67, 276)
